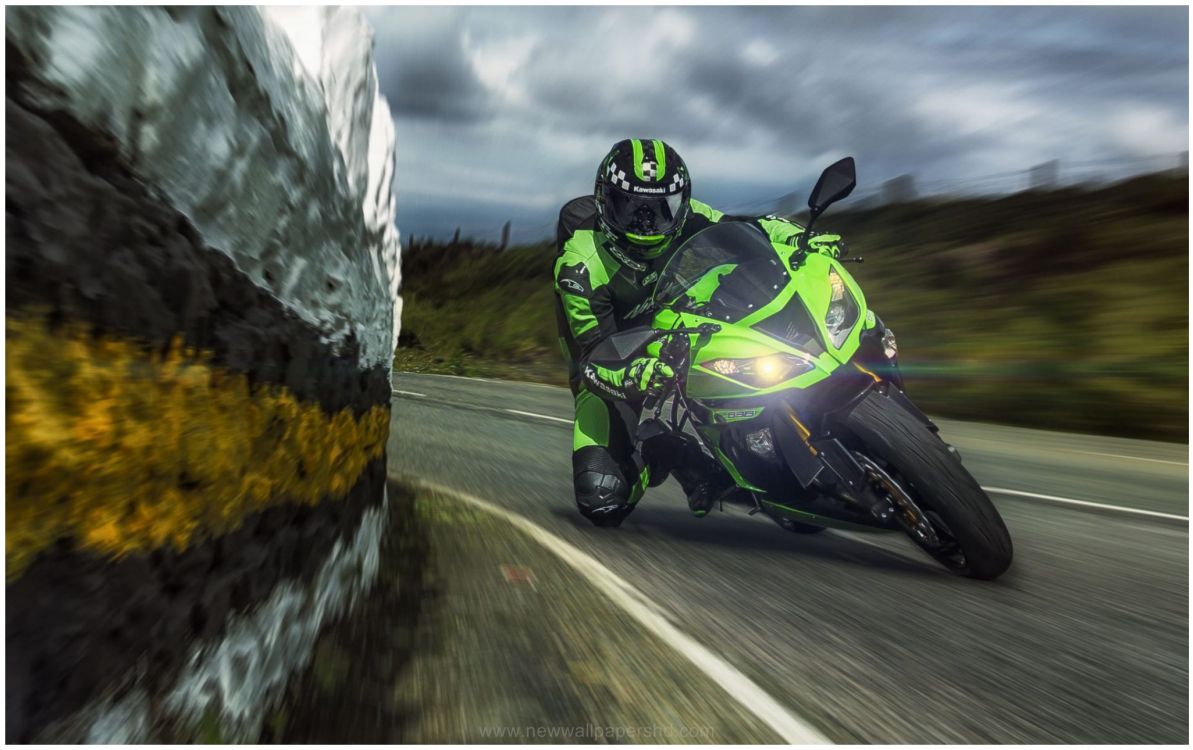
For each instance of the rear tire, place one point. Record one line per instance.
(937, 482)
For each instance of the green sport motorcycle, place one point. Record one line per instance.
(789, 380)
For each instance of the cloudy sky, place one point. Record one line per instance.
(503, 113)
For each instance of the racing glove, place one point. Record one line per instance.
(645, 376)
(826, 244)
(641, 377)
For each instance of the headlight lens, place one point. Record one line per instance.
(760, 372)
(842, 310)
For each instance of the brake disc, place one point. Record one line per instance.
(909, 515)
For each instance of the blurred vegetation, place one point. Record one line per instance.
(1064, 309)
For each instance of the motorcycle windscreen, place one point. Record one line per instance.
(726, 272)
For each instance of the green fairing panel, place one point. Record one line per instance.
(737, 342)
(811, 284)
(741, 341)
(702, 291)
(640, 486)
(803, 516)
(714, 438)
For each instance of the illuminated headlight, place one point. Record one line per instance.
(889, 347)
(842, 310)
(761, 443)
(760, 372)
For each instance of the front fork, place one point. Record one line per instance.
(822, 463)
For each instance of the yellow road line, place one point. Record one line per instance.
(121, 449)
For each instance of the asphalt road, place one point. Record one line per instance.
(1084, 640)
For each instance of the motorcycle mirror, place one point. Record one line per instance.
(836, 182)
(623, 345)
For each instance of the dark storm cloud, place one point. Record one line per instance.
(423, 71)
(434, 86)
(505, 111)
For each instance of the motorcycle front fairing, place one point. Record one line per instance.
(757, 388)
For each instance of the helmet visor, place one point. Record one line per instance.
(644, 215)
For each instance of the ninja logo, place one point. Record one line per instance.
(642, 308)
(621, 257)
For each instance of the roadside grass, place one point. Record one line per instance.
(1064, 309)
(475, 633)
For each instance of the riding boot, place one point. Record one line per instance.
(703, 480)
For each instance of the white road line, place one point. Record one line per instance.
(479, 380)
(410, 393)
(1129, 458)
(444, 375)
(1086, 503)
(547, 385)
(539, 416)
(999, 490)
(746, 692)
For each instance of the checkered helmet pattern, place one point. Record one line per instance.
(617, 176)
(645, 170)
(679, 179)
(668, 171)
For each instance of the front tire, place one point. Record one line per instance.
(957, 507)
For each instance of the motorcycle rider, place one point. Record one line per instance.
(612, 246)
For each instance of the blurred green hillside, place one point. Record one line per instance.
(1065, 309)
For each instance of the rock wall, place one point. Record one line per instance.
(201, 272)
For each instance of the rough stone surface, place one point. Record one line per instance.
(178, 174)
(87, 240)
(286, 170)
(77, 624)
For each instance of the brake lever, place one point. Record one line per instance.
(670, 355)
(654, 401)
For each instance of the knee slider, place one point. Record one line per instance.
(599, 493)
(600, 488)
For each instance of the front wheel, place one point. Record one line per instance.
(949, 516)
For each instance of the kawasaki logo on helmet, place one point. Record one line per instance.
(637, 189)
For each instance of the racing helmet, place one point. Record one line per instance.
(642, 196)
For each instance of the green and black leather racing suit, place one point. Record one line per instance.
(599, 290)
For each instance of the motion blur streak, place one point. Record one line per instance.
(125, 449)
(740, 688)
(201, 278)
(237, 672)
(1084, 640)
